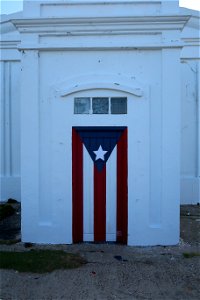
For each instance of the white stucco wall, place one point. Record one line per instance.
(150, 209)
(10, 131)
(10, 68)
(57, 51)
(10, 56)
(190, 110)
(49, 62)
(189, 133)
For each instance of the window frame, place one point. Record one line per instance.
(90, 112)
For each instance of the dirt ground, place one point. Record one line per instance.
(113, 271)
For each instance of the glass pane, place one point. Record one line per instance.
(118, 105)
(100, 105)
(82, 105)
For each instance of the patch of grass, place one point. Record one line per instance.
(191, 254)
(40, 261)
(6, 210)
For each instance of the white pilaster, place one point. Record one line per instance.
(30, 146)
(170, 144)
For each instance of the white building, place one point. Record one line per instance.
(120, 77)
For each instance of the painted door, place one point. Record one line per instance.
(99, 184)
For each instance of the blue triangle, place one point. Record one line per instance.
(94, 137)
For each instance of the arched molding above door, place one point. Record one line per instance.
(101, 82)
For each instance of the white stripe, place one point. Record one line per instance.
(88, 195)
(111, 196)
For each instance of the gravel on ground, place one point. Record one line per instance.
(116, 271)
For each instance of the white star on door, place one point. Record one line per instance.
(100, 153)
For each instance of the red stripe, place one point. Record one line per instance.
(122, 189)
(77, 187)
(99, 205)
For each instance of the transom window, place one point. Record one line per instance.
(100, 105)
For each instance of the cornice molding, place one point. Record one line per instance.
(61, 47)
(97, 2)
(9, 44)
(137, 23)
(191, 40)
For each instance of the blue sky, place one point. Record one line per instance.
(10, 6)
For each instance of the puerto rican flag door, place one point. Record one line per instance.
(99, 184)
